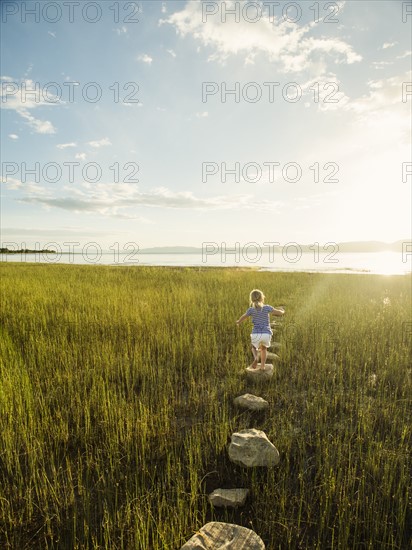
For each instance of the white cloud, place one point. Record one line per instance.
(326, 91)
(203, 114)
(384, 94)
(29, 69)
(12, 183)
(374, 126)
(13, 136)
(145, 58)
(66, 145)
(132, 105)
(53, 34)
(406, 54)
(121, 30)
(112, 199)
(99, 143)
(172, 53)
(284, 43)
(80, 156)
(250, 58)
(164, 7)
(24, 96)
(28, 187)
(381, 64)
(39, 126)
(388, 45)
(60, 232)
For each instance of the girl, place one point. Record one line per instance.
(261, 332)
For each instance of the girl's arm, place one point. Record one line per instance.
(278, 312)
(243, 318)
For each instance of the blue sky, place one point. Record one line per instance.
(336, 106)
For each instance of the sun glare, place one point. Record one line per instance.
(390, 263)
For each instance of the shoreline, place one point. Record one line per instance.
(381, 263)
(195, 267)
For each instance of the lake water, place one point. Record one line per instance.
(387, 263)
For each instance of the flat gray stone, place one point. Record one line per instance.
(259, 374)
(252, 448)
(251, 402)
(232, 498)
(224, 536)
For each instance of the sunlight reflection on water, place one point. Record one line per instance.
(385, 263)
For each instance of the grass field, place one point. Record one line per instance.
(116, 390)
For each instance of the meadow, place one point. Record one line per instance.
(116, 407)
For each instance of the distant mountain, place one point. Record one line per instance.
(354, 246)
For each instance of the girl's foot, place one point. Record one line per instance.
(262, 368)
(254, 364)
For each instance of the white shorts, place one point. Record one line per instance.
(260, 338)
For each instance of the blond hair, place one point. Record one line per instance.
(256, 298)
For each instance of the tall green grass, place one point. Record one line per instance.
(116, 389)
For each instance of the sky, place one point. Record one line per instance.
(184, 122)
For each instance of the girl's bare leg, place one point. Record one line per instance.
(255, 357)
(263, 353)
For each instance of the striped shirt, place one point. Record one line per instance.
(260, 319)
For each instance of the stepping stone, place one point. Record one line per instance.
(259, 374)
(252, 448)
(224, 536)
(231, 498)
(251, 402)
